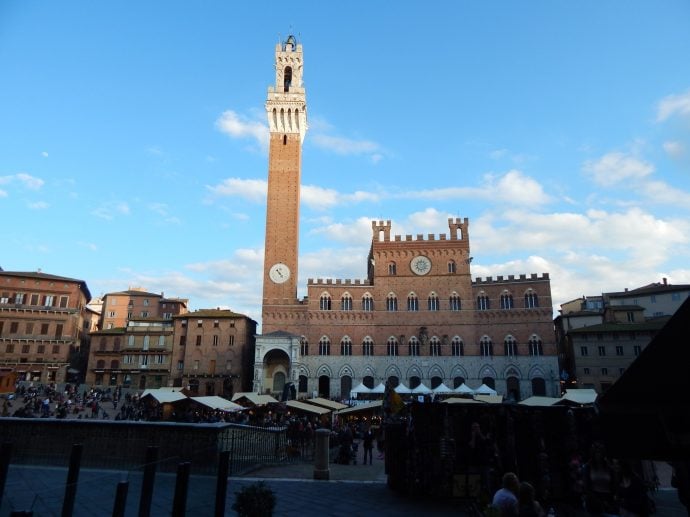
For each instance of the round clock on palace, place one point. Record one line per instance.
(279, 273)
(420, 265)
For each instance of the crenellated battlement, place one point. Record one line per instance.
(337, 281)
(500, 279)
(458, 231)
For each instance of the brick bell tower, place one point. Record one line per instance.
(286, 108)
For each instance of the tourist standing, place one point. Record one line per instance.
(368, 445)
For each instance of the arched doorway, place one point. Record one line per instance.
(414, 382)
(538, 387)
(513, 389)
(490, 382)
(276, 371)
(278, 381)
(393, 381)
(368, 381)
(458, 381)
(345, 386)
(324, 386)
(302, 388)
(436, 382)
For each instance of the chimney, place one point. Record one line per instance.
(665, 281)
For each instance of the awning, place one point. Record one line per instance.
(465, 389)
(330, 404)
(490, 399)
(367, 406)
(310, 408)
(421, 389)
(442, 388)
(537, 401)
(401, 388)
(216, 402)
(164, 396)
(361, 388)
(253, 398)
(485, 390)
(381, 388)
(579, 396)
(460, 400)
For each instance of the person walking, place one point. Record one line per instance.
(368, 445)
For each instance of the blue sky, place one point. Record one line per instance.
(133, 139)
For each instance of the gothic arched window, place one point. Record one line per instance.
(412, 302)
(432, 302)
(346, 302)
(325, 302)
(510, 346)
(392, 346)
(435, 347)
(303, 346)
(506, 300)
(367, 346)
(535, 346)
(346, 346)
(367, 303)
(457, 347)
(531, 299)
(454, 302)
(324, 346)
(391, 302)
(483, 302)
(413, 347)
(486, 347)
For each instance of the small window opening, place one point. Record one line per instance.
(287, 79)
(284, 139)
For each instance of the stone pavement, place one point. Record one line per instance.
(353, 490)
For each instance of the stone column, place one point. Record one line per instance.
(321, 470)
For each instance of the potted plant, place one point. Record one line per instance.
(255, 500)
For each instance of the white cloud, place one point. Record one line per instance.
(353, 233)
(632, 236)
(27, 180)
(162, 210)
(238, 126)
(38, 205)
(110, 209)
(513, 187)
(319, 198)
(671, 105)
(674, 149)
(313, 196)
(662, 193)
(3, 193)
(616, 167)
(344, 146)
(44, 154)
(88, 245)
(253, 190)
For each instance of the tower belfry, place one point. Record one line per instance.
(287, 121)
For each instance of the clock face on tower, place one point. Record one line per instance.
(420, 265)
(279, 273)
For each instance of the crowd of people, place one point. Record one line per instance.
(600, 487)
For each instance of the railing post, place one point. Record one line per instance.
(5, 457)
(222, 483)
(321, 470)
(148, 480)
(72, 478)
(120, 499)
(181, 487)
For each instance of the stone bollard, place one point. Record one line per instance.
(321, 470)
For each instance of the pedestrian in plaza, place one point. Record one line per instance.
(505, 499)
(527, 504)
(368, 445)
